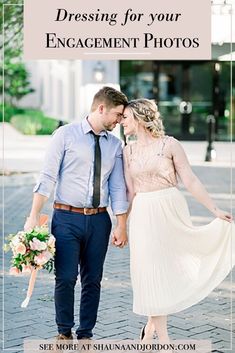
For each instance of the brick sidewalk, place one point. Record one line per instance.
(210, 319)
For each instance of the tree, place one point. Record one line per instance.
(13, 70)
(16, 79)
(13, 24)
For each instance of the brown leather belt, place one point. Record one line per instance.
(85, 211)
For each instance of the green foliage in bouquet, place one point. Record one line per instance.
(31, 249)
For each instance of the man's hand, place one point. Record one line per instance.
(31, 222)
(119, 237)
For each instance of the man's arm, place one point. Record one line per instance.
(119, 237)
(119, 203)
(33, 219)
(48, 177)
(122, 219)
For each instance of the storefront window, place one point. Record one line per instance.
(186, 93)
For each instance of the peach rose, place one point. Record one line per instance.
(14, 271)
(43, 258)
(26, 269)
(40, 259)
(47, 254)
(20, 249)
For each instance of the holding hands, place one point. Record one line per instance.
(119, 237)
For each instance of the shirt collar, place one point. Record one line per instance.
(87, 128)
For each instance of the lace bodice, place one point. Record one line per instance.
(157, 166)
(151, 166)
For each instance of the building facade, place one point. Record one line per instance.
(186, 92)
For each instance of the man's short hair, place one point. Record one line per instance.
(110, 97)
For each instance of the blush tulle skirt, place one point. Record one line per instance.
(173, 263)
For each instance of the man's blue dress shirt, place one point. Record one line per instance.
(69, 164)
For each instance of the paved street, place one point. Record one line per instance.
(210, 319)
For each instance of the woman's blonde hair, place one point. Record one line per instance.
(146, 112)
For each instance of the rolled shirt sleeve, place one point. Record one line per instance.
(52, 163)
(117, 186)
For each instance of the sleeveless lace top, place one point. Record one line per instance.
(151, 166)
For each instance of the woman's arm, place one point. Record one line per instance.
(191, 181)
(128, 179)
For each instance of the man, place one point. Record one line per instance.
(85, 163)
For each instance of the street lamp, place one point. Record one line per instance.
(99, 72)
(210, 151)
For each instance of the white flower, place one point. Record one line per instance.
(51, 241)
(15, 241)
(36, 244)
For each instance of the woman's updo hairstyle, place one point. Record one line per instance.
(146, 112)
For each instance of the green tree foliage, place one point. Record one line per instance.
(13, 70)
(13, 24)
(16, 78)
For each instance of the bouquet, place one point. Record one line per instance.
(32, 250)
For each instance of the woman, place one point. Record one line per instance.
(173, 263)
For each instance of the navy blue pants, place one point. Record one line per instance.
(81, 242)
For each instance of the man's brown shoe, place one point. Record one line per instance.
(61, 336)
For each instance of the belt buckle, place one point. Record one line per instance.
(90, 211)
